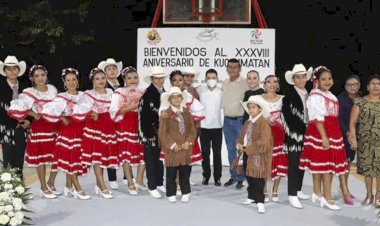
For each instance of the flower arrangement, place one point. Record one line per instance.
(13, 198)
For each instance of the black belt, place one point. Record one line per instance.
(234, 118)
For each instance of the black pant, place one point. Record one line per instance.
(295, 175)
(213, 137)
(154, 167)
(13, 155)
(249, 187)
(257, 191)
(184, 180)
(112, 174)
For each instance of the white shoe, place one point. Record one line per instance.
(248, 201)
(192, 183)
(103, 193)
(161, 188)
(141, 187)
(330, 206)
(44, 194)
(114, 185)
(260, 208)
(295, 202)
(81, 195)
(315, 198)
(67, 191)
(275, 198)
(132, 192)
(53, 190)
(172, 199)
(155, 194)
(185, 198)
(302, 195)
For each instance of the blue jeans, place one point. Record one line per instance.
(231, 130)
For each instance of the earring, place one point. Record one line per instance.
(77, 85)
(278, 89)
(32, 82)
(65, 87)
(265, 90)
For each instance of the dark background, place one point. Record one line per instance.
(338, 34)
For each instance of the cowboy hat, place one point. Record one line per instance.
(110, 61)
(173, 91)
(298, 69)
(12, 61)
(259, 100)
(189, 71)
(155, 71)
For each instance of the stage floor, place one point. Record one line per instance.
(208, 206)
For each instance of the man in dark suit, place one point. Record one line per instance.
(12, 132)
(148, 130)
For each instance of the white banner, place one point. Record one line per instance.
(205, 48)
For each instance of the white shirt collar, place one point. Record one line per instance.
(175, 110)
(159, 89)
(253, 120)
(11, 84)
(301, 91)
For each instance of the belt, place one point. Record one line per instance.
(234, 118)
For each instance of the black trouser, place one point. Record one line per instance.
(213, 137)
(249, 187)
(154, 167)
(184, 180)
(295, 175)
(112, 174)
(257, 191)
(13, 155)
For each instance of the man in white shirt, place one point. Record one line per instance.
(210, 95)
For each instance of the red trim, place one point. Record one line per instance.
(66, 99)
(102, 101)
(319, 94)
(198, 118)
(13, 113)
(35, 98)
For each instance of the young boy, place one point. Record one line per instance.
(210, 96)
(148, 130)
(176, 134)
(256, 141)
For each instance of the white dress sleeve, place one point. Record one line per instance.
(83, 108)
(316, 108)
(21, 106)
(53, 111)
(196, 108)
(116, 107)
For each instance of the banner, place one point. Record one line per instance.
(205, 48)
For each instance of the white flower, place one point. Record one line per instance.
(8, 186)
(20, 189)
(11, 214)
(13, 221)
(6, 177)
(8, 208)
(4, 219)
(4, 196)
(17, 203)
(19, 216)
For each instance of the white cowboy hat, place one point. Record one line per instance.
(173, 91)
(155, 71)
(110, 61)
(12, 61)
(259, 100)
(298, 69)
(189, 70)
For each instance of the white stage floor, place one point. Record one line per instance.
(209, 205)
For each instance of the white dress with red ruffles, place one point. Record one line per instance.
(68, 144)
(130, 150)
(42, 134)
(323, 107)
(99, 136)
(279, 156)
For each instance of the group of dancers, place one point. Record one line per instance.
(114, 125)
